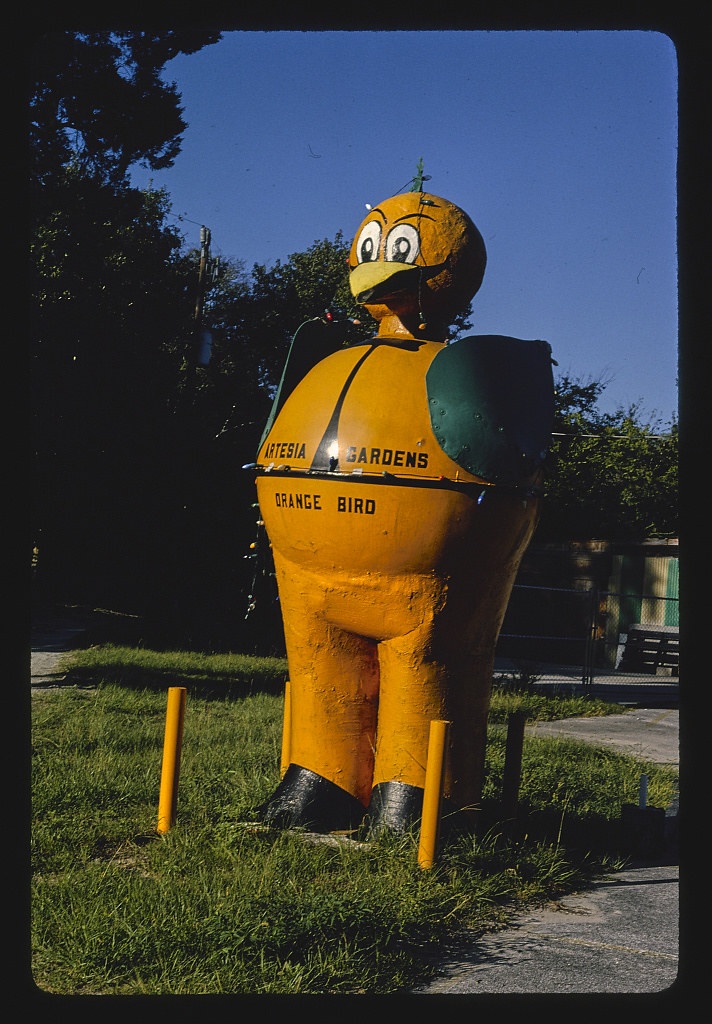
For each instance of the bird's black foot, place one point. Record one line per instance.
(305, 799)
(398, 807)
(394, 806)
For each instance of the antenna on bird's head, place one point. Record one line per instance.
(416, 182)
(419, 177)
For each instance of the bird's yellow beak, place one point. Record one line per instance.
(375, 280)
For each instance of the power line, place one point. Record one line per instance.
(621, 437)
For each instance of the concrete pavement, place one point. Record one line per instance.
(651, 734)
(620, 935)
(56, 631)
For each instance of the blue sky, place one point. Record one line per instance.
(561, 145)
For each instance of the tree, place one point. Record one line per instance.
(610, 475)
(111, 301)
(286, 295)
(98, 104)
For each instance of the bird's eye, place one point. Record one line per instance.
(402, 244)
(368, 242)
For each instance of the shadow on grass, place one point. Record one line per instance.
(208, 685)
(582, 836)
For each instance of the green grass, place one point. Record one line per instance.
(221, 905)
(210, 674)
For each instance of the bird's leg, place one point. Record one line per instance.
(333, 697)
(441, 671)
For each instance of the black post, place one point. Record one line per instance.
(511, 777)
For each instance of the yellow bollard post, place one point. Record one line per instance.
(432, 795)
(286, 729)
(172, 741)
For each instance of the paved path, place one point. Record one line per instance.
(651, 734)
(621, 935)
(48, 652)
(56, 632)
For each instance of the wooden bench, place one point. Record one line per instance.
(651, 649)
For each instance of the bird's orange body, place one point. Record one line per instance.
(394, 556)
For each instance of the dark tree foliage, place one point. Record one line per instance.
(611, 476)
(111, 299)
(99, 105)
(282, 297)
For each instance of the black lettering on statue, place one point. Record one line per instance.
(375, 456)
(285, 450)
(299, 500)
(358, 506)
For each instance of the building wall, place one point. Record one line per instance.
(633, 581)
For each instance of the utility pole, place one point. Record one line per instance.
(202, 271)
(203, 339)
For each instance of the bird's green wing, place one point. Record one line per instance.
(491, 402)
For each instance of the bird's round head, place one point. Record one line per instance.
(415, 262)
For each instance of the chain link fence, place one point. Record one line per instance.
(588, 641)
